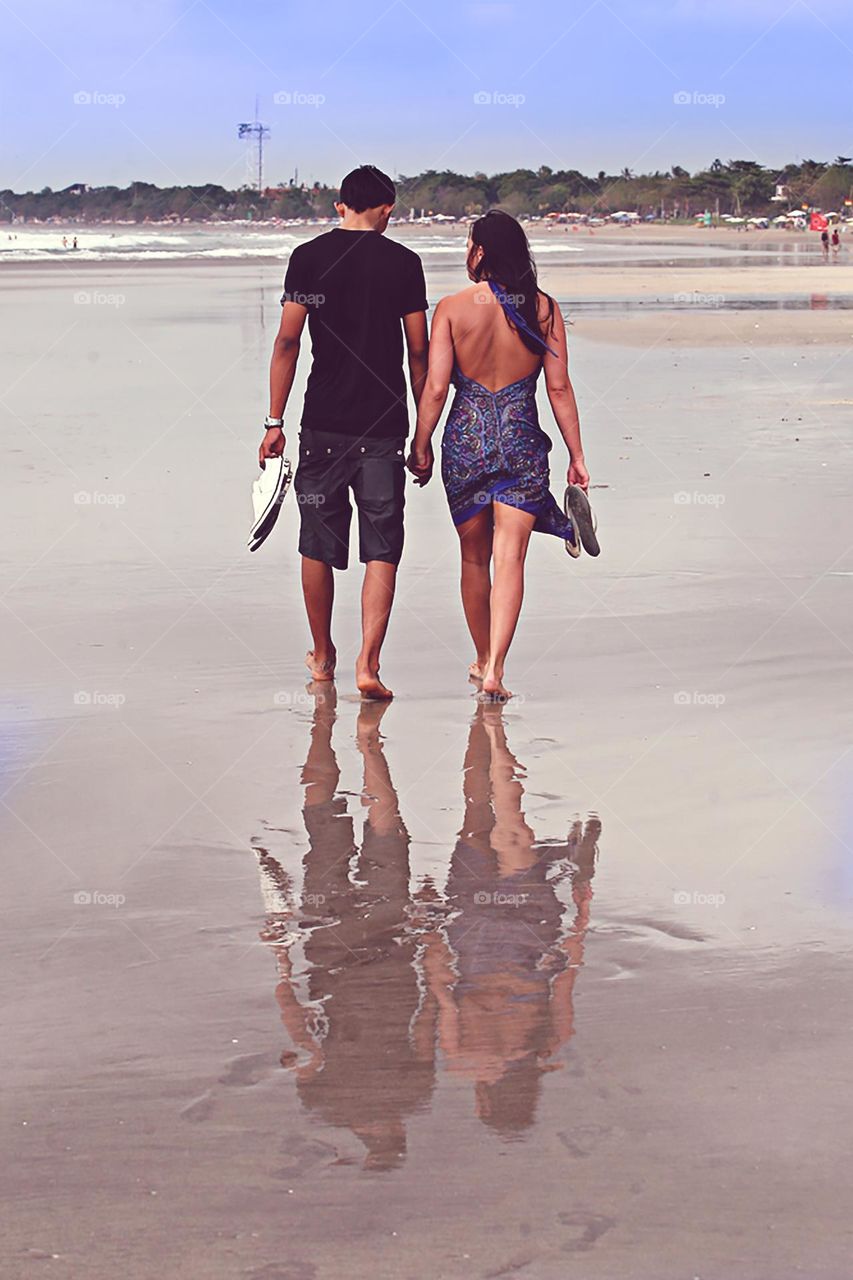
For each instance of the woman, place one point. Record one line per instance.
(491, 340)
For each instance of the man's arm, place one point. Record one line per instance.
(417, 345)
(285, 354)
(435, 391)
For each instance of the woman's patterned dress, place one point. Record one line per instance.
(494, 450)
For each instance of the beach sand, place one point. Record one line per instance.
(246, 1039)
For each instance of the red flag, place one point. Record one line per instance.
(818, 222)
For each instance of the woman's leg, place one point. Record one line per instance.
(475, 542)
(511, 536)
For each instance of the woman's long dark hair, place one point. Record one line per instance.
(507, 260)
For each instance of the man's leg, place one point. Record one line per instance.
(378, 484)
(318, 589)
(377, 597)
(321, 490)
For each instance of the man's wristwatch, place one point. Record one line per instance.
(273, 422)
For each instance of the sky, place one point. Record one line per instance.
(106, 92)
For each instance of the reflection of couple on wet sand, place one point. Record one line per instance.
(483, 975)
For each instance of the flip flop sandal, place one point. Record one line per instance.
(268, 493)
(577, 509)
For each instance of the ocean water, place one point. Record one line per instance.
(219, 241)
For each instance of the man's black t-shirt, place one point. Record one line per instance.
(357, 286)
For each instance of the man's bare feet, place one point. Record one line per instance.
(321, 668)
(477, 669)
(371, 687)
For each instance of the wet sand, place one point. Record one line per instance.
(295, 989)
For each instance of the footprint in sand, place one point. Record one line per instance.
(199, 1109)
(247, 1069)
(582, 1140)
(587, 1227)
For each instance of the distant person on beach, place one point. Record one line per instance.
(835, 241)
(491, 340)
(824, 242)
(74, 243)
(360, 293)
(64, 241)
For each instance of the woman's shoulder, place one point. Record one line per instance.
(462, 296)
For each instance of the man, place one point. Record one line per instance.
(360, 294)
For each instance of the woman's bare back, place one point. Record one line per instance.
(487, 350)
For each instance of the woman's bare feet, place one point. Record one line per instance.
(478, 669)
(494, 689)
(321, 666)
(370, 686)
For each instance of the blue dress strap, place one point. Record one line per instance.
(512, 313)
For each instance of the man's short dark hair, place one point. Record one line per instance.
(367, 188)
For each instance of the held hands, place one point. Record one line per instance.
(421, 462)
(578, 473)
(272, 445)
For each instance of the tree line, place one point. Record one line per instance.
(741, 187)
